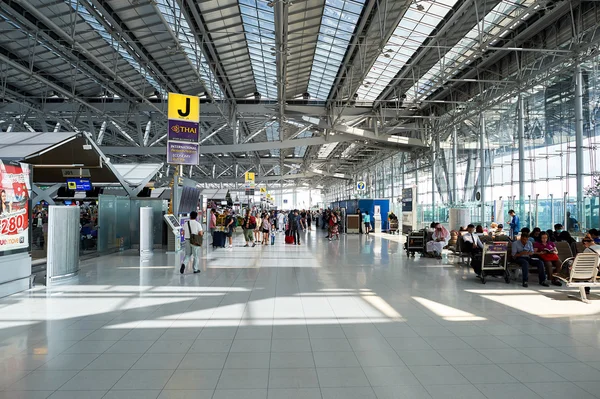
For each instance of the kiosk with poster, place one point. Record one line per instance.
(409, 209)
(15, 203)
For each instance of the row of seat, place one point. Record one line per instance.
(583, 268)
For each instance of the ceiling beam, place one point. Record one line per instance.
(232, 148)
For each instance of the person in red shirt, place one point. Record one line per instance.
(547, 252)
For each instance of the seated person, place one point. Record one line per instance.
(521, 253)
(535, 235)
(478, 229)
(550, 235)
(595, 234)
(561, 235)
(472, 243)
(547, 252)
(499, 231)
(439, 239)
(493, 227)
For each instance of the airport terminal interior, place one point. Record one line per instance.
(299, 199)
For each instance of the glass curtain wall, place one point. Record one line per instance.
(548, 152)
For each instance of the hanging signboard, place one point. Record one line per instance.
(183, 129)
(249, 183)
(361, 186)
(15, 186)
(182, 153)
(184, 108)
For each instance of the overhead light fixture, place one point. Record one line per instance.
(420, 7)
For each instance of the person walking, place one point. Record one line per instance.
(367, 222)
(192, 249)
(294, 221)
(515, 224)
(281, 221)
(212, 224)
(265, 229)
(229, 225)
(248, 227)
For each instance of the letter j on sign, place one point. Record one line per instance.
(184, 108)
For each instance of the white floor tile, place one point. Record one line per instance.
(293, 378)
(336, 359)
(294, 393)
(158, 361)
(341, 377)
(144, 380)
(248, 360)
(286, 360)
(438, 375)
(244, 379)
(93, 380)
(390, 376)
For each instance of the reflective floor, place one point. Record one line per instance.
(347, 319)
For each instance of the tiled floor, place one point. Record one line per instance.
(346, 319)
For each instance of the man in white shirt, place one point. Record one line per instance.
(191, 227)
(472, 241)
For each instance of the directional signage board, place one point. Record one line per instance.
(361, 185)
(184, 131)
(184, 108)
(182, 153)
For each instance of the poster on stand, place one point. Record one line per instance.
(15, 188)
(409, 210)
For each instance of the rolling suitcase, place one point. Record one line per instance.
(219, 239)
(289, 238)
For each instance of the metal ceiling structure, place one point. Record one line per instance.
(298, 91)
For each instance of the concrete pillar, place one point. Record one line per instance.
(579, 170)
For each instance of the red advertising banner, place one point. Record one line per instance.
(15, 186)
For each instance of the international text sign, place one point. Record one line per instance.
(15, 185)
(182, 153)
(183, 131)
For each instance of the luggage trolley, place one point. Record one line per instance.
(493, 261)
(415, 242)
(393, 227)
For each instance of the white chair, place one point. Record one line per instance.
(584, 271)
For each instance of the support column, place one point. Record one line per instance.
(482, 179)
(392, 177)
(433, 218)
(454, 166)
(579, 141)
(521, 140)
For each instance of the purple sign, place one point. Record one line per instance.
(183, 131)
(182, 153)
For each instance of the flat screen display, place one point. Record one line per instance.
(189, 199)
(79, 184)
(15, 186)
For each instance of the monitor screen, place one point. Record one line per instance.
(189, 199)
(79, 184)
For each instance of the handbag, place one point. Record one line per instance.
(549, 257)
(195, 239)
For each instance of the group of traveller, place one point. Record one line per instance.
(532, 248)
(260, 227)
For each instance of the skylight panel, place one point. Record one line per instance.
(326, 150)
(337, 26)
(259, 24)
(98, 27)
(272, 132)
(412, 31)
(179, 25)
(455, 59)
(348, 151)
